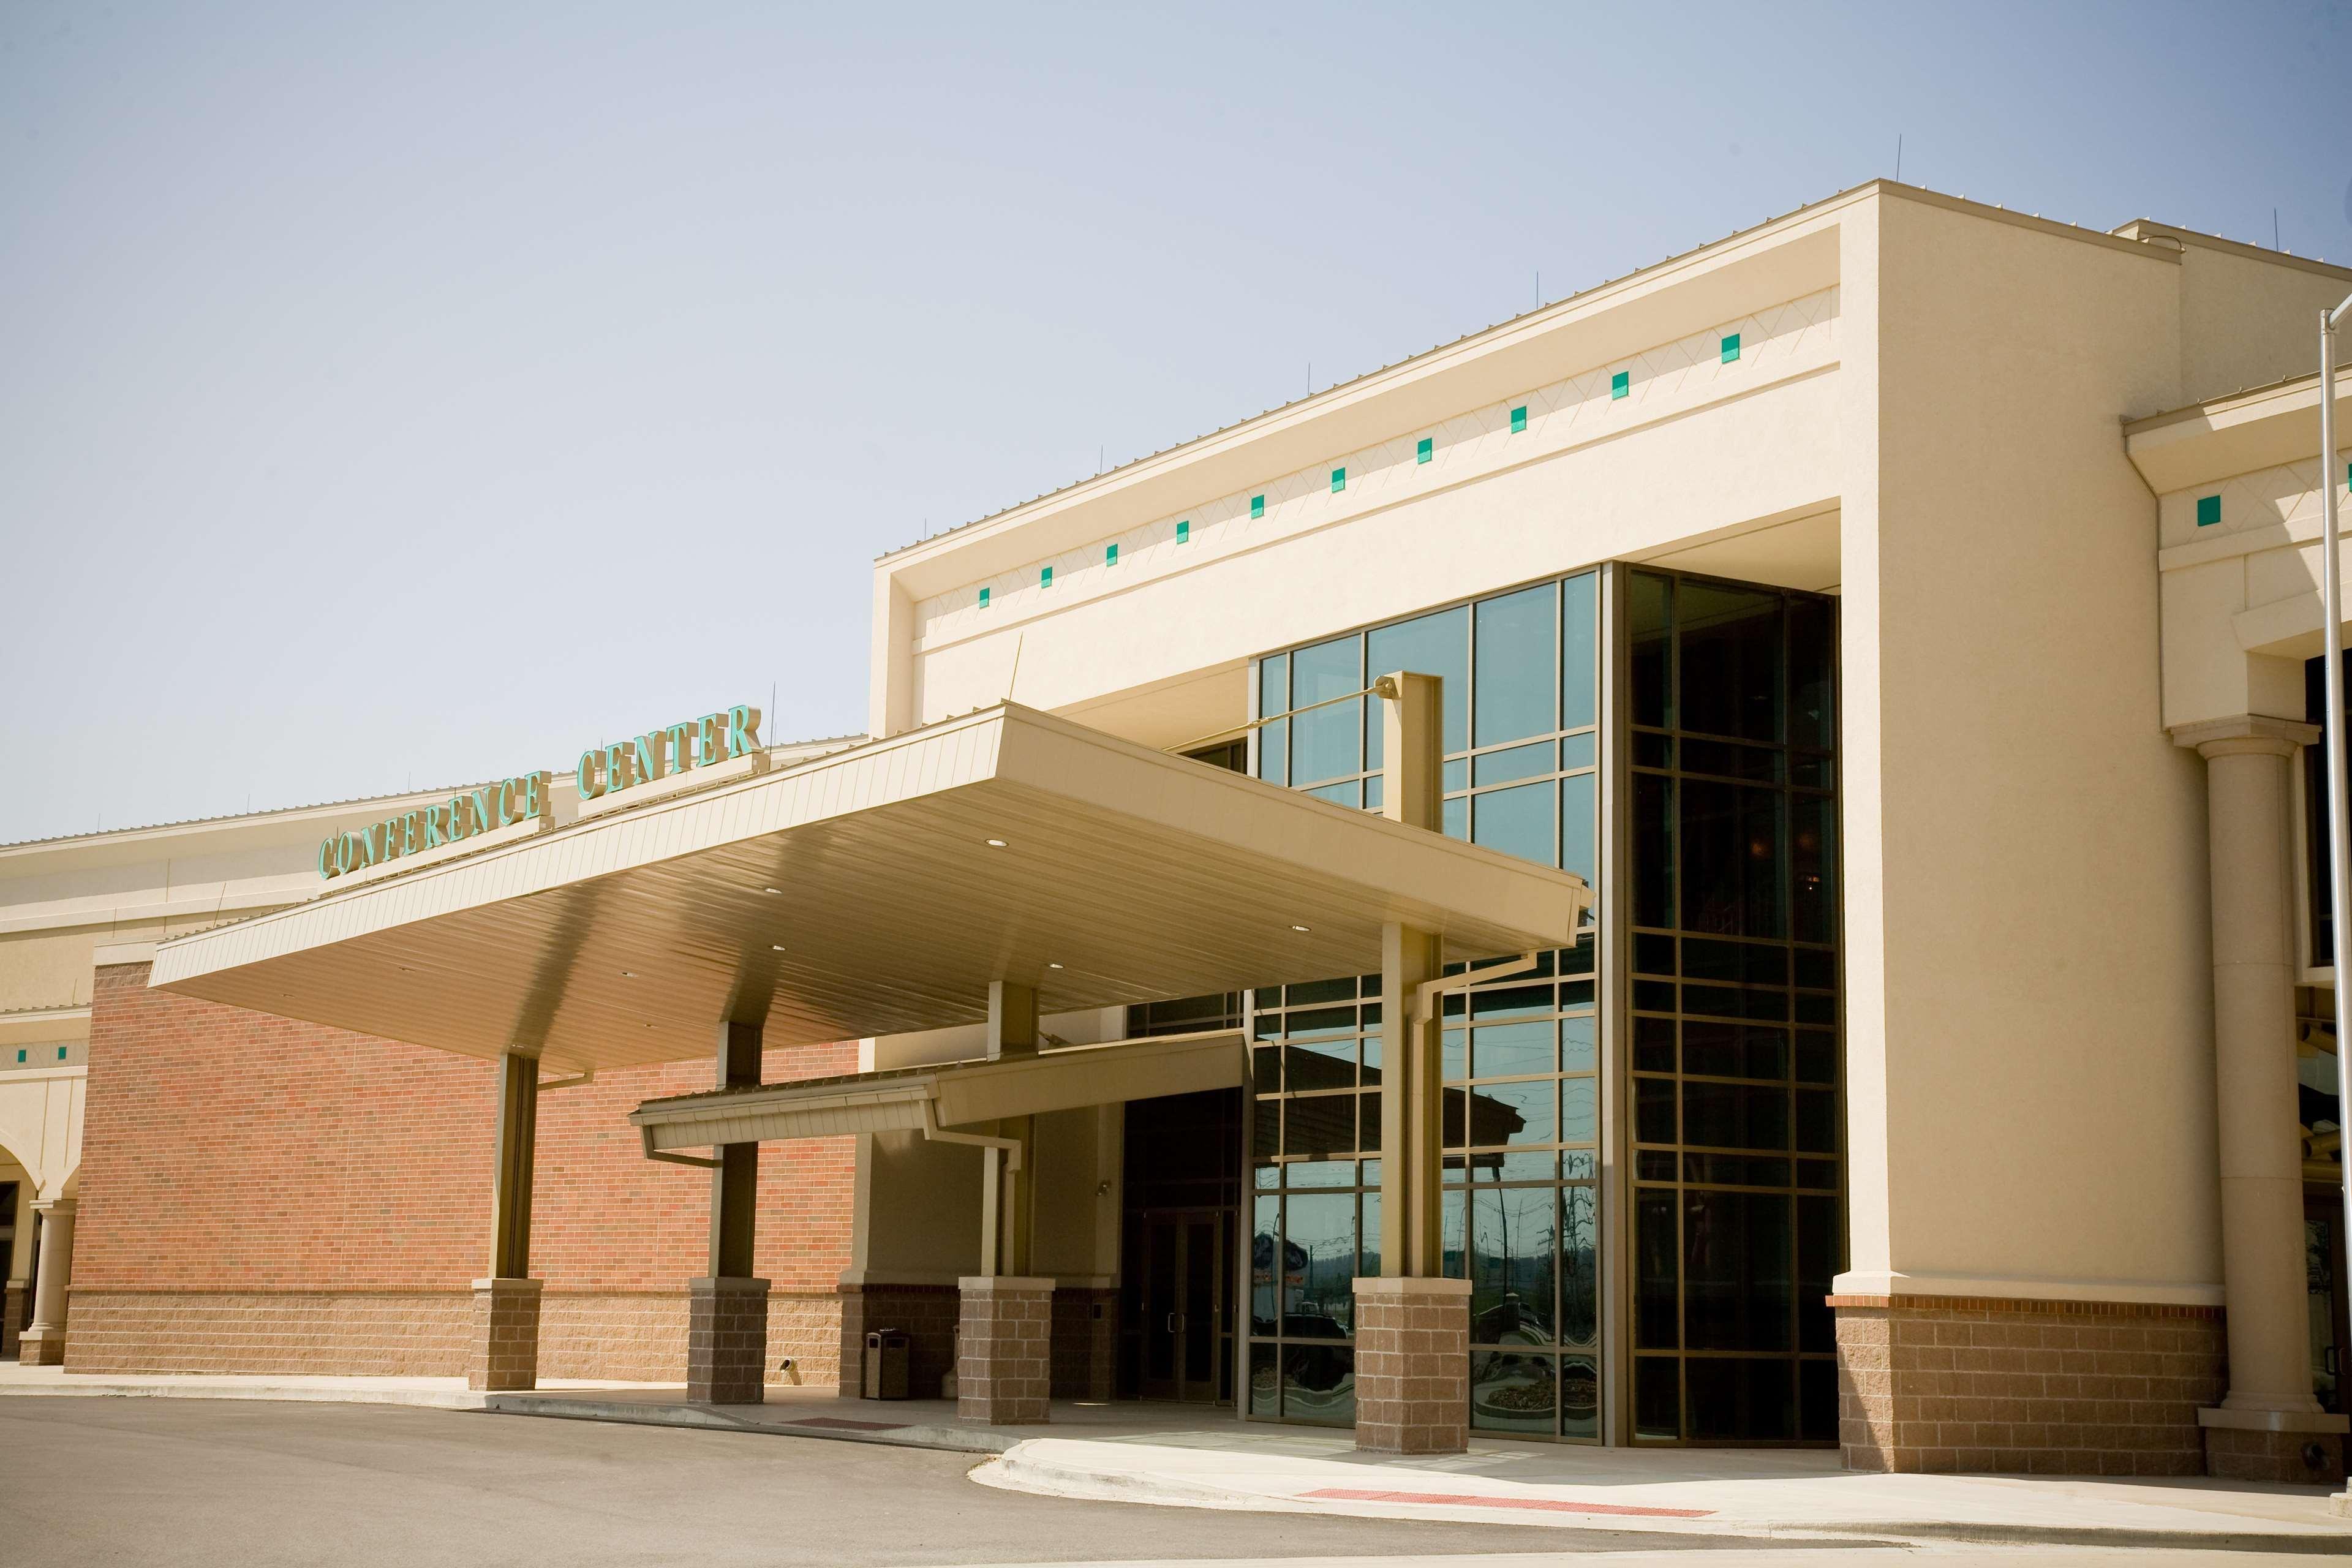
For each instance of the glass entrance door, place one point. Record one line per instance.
(2323, 1231)
(1183, 1305)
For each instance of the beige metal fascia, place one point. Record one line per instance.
(2241, 433)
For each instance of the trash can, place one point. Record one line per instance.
(885, 1364)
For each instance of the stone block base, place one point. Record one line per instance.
(726, 1340)
(1004, 1351)
(1972, 1383)
(1085, 1342)
(2256, 1445)
(1413, 1366)
(504, 1354)
(42, 1347)
(925, 1314)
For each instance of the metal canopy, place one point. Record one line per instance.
(859, 894)
(946, 1095)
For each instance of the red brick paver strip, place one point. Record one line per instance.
(1469, 1499)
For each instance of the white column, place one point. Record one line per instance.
(2261, 1146)
(44, 1345)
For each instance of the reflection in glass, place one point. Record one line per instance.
(1435, 645)
(1320, 1266)
(1517, 821)
(1265, 1237)
(1513, 1050)
(1515, 638)
(1514, 1392)
(1580, 1397)
(1580, 644)
(1511, 1283)
(1580, 1266)
(1327, 742)
(1318, 1384)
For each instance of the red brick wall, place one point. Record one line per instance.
(229, 1155)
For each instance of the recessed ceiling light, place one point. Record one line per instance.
(997, 844)
(778, 891)
(1052, 966)
(775, 947)
(1298, 928)
(632, 974)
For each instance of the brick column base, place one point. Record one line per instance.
(1945, 1383)
(41, 1347)
(12, 1318)
(2264, 1446)
(1004, 1351)
(726, 1340)
(1413, 1366)
(504, 1351)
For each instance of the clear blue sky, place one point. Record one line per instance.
(426, 391)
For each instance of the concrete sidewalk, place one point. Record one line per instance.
(1198, 1457)
(1767, 1494)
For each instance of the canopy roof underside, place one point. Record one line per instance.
(858, 895)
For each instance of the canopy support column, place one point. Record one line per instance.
(44, 1342)
(504, 1354)
(727, 1311)
(1412, 1325)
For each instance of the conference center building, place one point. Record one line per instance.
(1729, 861)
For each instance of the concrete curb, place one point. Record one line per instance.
(1016, 1470)
(720, 1418)
(415, 1398)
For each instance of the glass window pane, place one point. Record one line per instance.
(1657, 1273)
(1273, 751)
(1735, 1115)
(1579, 827)
(1737, 1253)
(1658, 1397)
(1369, 1244)
(1266, 1385)
(1580, 640)
(1651, 632)
(1514, 1246)
(1653, 850)
(1317, 1125)
(1578, 1049)
(1517, 763)
(1580, 1111)
(1516, 639)
(1517, 821)
(1812, 838)
(1328, 742)
(1732, 855)
(1435, 645)
(1513, 1050)
(1350, 793)
(1264, 1243)
(1502, 1113)
(1741, 1399)
(1580, 1266)
(1318, 1264)
(1580, 1397)
(1457, 817)
(1581, 751)
(1514, 1392)
(1812, 662)
(1318, 1384)
(1731, 680)
(1273, 685)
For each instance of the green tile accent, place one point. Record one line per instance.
(2209, 510)
(983, 599)
(1621, 383)
(1257, 506)
(1044, 576)
(1339, 481)
(1427, 447)
(1518, 419)
(1184, 530)
(62, 1053)
(1730, 347)
(1110, 555)
(20, 1056)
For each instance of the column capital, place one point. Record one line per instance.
(2245, 734)
(63, 1206)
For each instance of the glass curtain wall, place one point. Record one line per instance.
(1737, 1196)
(1521, 696)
